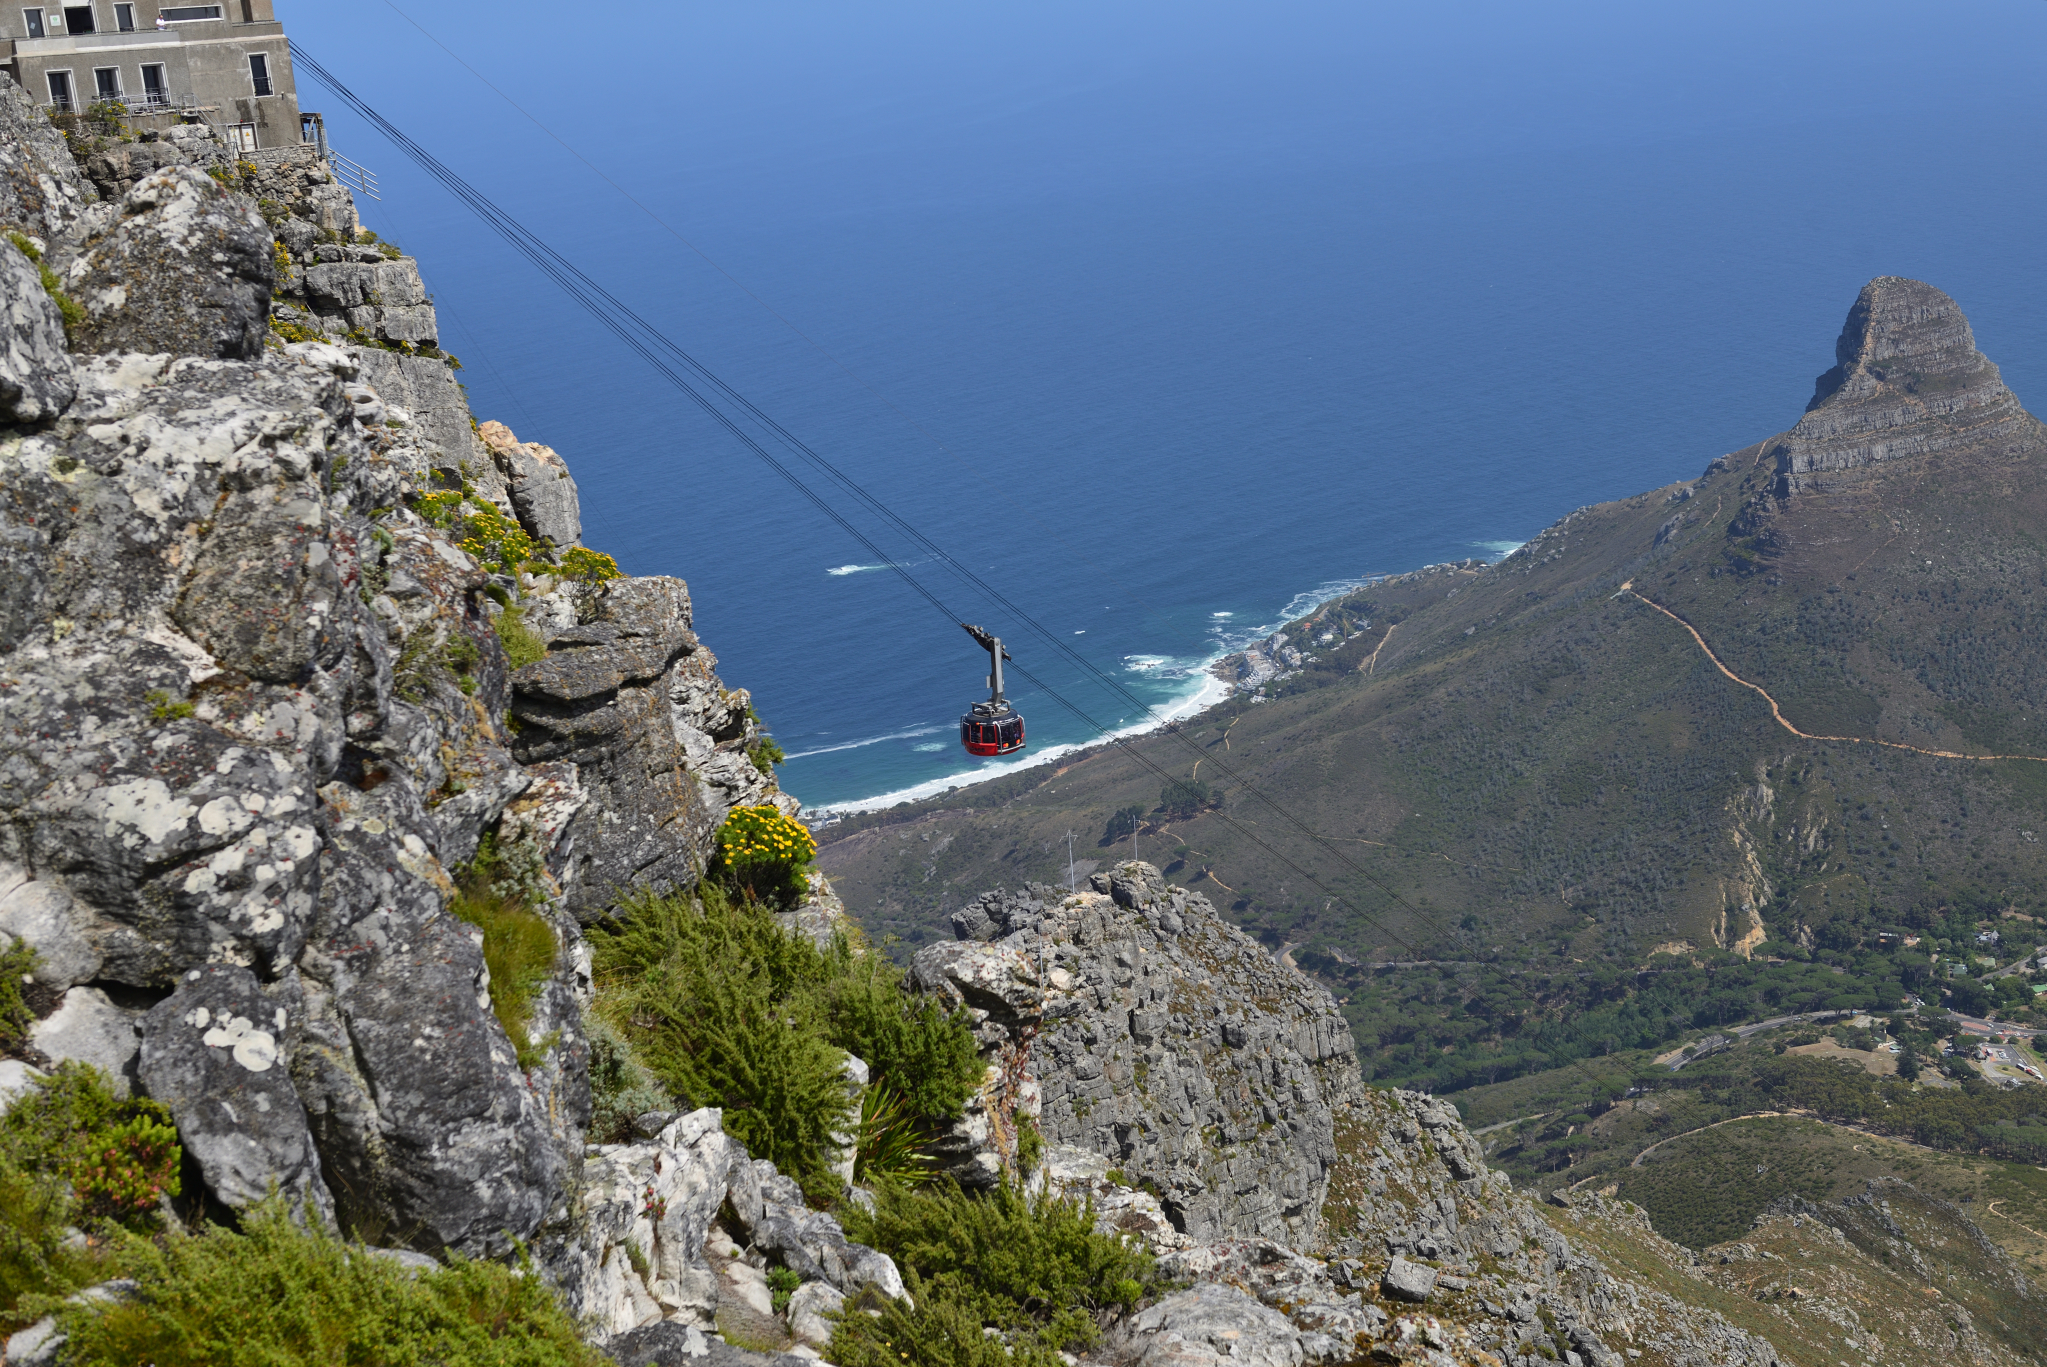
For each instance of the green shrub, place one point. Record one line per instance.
(765, 754)
(523, 645)
(726, 1008)
(276, 1295)
(621, 1087)
(119, 1155)
(589, 568)
(764, 855)
(494, 893)
(1032, 1268)
(494, 541)
(17, 966)
(890, 1143)
(37, 1256)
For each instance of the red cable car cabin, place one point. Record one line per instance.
(984, 731)
(993, 727)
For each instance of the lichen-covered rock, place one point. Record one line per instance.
(542, 491)
(1214, 1324)
(87, 1027)
(41, 191)
(1170, 1042)
(36, 383)
(216, 1052)
(180, 265)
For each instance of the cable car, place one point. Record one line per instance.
(992, 727)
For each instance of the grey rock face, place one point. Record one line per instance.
(41, 191)
(216, 1052)
(1170, 1042)
(432, 411)
(1909, 382)
(179, 266)
(1406, 1281)
(542, 492)
(1215, 1324)
(50, 919)
(89, 1028)
(36, 383)
(601, 700)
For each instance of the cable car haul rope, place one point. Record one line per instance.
(988, 728)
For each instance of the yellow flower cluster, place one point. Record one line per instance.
(763, 835)
(491, 539)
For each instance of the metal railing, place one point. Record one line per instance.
(358, 178)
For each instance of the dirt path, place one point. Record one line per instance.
(1758, 1115)
(1778, 712)
(1372, 660)
(1992, 1209)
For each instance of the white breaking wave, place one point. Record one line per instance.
(855, 569)
(1498, 550)
(871, 740)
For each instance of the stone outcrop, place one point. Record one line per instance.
(1909, 382)
(41, 192)
(537, 481)
(177, 265)
(36, 383)
(1161, 1036)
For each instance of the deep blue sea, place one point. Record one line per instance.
(1168, 318)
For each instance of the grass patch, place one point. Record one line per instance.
(726, 1008)
(17, 966)
(1033, 1269)
(276, 1294)
(519, 946)
(523, 645)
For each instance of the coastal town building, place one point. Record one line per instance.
(227, 64)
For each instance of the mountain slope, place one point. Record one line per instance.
(1530, 756)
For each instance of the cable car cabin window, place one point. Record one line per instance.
(78, 19)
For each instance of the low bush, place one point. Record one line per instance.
(727, 1008)
(17, 966)
(621, 1087)
(277, 1295)
(523, 645)
(119, 1155)
(1033, 1269)
(764, 855)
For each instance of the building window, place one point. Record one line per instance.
(259, 72)
(241, 137)
(60, 91)
(179, 14)
(124, 18)
(78, 19)
(153, 88)
(106, 83)
(33, 18)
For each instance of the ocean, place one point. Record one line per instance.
(1169, 320)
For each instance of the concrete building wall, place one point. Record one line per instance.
(205, 62)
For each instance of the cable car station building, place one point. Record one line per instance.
(227, 64)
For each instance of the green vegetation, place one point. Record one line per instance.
(17, 969)
(496, 542)
(1031, 1268)
(496, 892)
(277, 1295)
(726, 1008)
(589, 568)
(162, 708)
(71, 310)
(72, 1155)
(765, 855)
(523, 645)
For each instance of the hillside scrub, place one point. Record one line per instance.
(724, 1007)
(1031, 1268)
(279, 1295)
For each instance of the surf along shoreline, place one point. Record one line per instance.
(1223, 675)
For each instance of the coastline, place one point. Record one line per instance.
(1218, 681)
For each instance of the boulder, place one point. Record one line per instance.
(36, 383)
(180, 266)
(41, 191)
(1212, 1325)
(216, 1053)
(88, 1028)
(808, 1307)
(1408, 1281)
(542, 491)
(46, 915)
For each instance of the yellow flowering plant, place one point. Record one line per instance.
(492, 540)
(765, 855)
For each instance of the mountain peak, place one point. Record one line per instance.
(1908, 381)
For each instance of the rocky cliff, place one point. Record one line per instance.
(257, 713)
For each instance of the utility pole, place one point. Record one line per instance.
(1069, 863)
